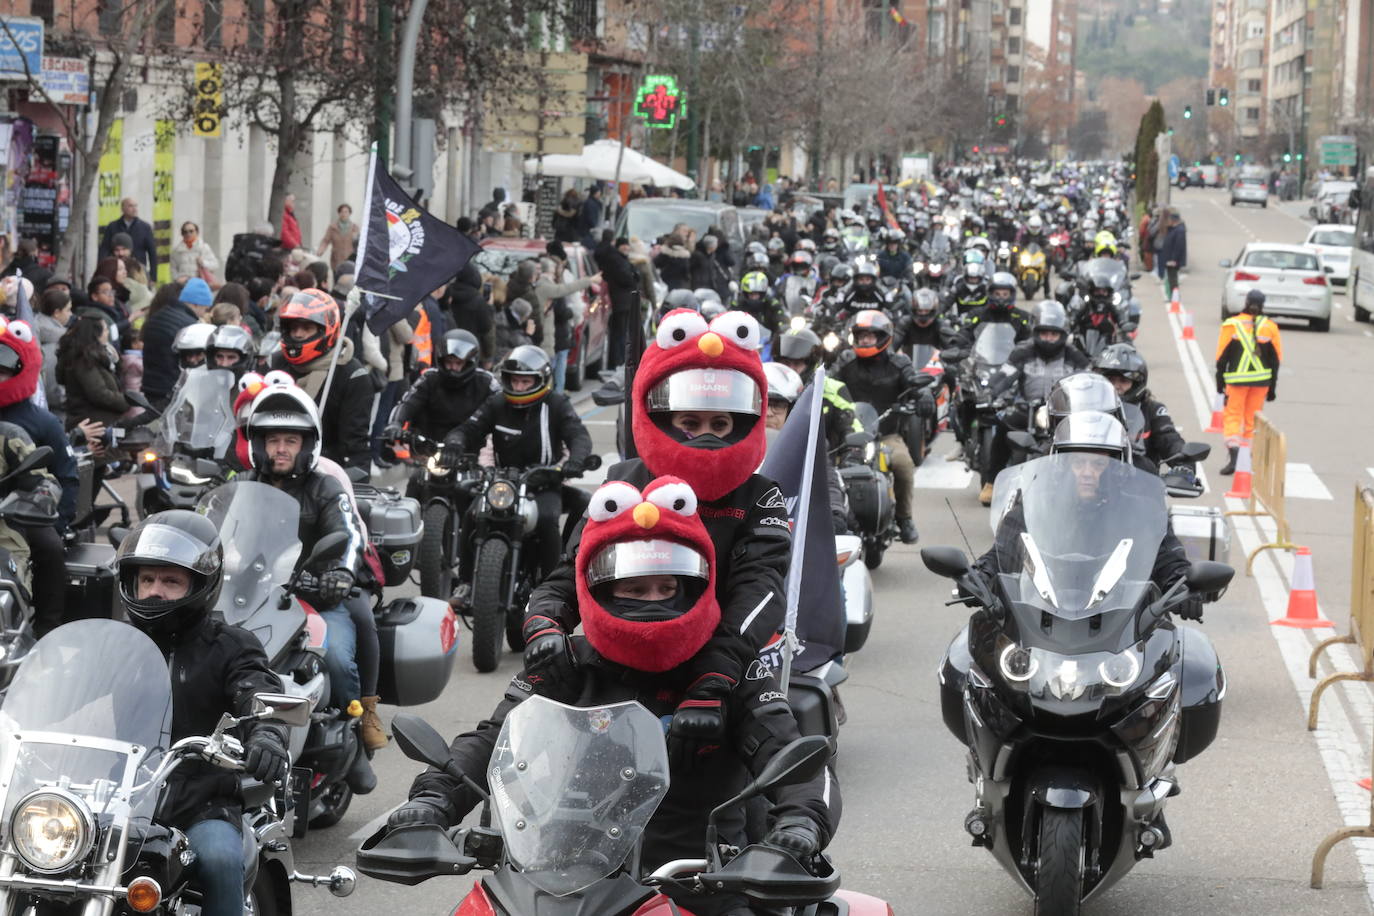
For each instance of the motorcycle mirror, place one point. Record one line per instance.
(419, 741)
(953, 355)
(608, 394)
(592, 463)
(1224, 262)
(138, 399)
(34, 459)
(1192, 451)
(326, 546)
(283, 708)
(1208, 576)
(949, 562)
(798, 762)
(1021, 439)
(357, 474)
(207, 467)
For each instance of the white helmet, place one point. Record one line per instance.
(284, 407)
(783, 382)
(1091, 431)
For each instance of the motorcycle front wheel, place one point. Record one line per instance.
(1059, 870)
(262, 899)
(488, 607)
(436, 553)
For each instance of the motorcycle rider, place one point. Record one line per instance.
(926, 327)
(169, 568)
(756, 298)
(841, 275)
(310, 329)
(777, 258)
(1000, 309)
(1027, 378)
(1100, 311)
(864, 290)
(1125, 368)
(190, 343)
(646, 622)
(230, 347)
(970, 292)
(442, 398)
(283, 448)
(698, 404)
(893, 260)
(879, 376)
(800, 350)
(785, 386)
(530, 425)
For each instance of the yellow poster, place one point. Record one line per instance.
(209, 97)
(164, 169)
(110, 182)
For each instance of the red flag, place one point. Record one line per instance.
(882, 205)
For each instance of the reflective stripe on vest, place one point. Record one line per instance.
(422, 340)
(1250, 369)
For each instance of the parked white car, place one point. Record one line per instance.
(1293, 279)
(1332, 241)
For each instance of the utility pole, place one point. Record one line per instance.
(693, 150)
(403, 167)
(816, 122)
(381, 128)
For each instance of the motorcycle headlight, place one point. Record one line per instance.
(501, 495)
(1116, 298)
(435, 468)
(869, 451)
(1017, 663)
(1120, 670)
(51, 830)
(831, 341)
(798, 322)
(918, 266)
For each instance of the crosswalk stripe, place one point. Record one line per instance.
(1301, 482)
(937, 474)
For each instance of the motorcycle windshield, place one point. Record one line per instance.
(200, 419)
(574, 789)
(257, 528)
(90, 708)
(994, 344)
(1093, 526)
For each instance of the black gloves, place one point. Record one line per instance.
(699, 722)
(425, 808)
(1191, 608)
(334, 587)
(265, 757)
(548, 653)
(1221, 383)
(795, 835)
(1272, 394)
(574, 467)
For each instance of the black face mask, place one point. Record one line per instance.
(642, 611)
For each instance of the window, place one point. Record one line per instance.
(212, 23)
(167, 24)
(1254, 30)
(42, 9)
(1252, 114)
(1013, 73)
(257, 22)
(1253, 86)
(111, 17)
(1014, 16)
(935, 34)
(1013, 45)
(583, 20)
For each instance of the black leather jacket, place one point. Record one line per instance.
(878, 380)
(760, 721)
(525, 436)
(435, 406)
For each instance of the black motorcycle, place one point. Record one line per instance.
(435, 484)
(85, 771)
(498, 570)
(977, 392)
(1075, 692)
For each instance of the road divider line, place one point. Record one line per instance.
(1301, 482)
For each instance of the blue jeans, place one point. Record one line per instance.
(218, 846)
(560, 369)
(340, 657)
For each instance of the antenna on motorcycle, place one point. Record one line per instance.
(955, 516)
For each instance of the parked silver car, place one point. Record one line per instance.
(1249, 190)
(1293, 280)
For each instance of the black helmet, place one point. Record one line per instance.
(1124, 360)
(463, 345)
(230, 338)
(841, 275)
(1002, 282)
(530, 362)
(177, 538)
(1254, 302)
(926, 307)
(798, 343)
(1050, 316)
(1063, 292)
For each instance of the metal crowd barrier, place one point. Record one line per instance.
(1269, 460)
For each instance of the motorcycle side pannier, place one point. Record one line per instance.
(1203, 532)
(869, 497)
(419, 641)
(1203, 686)
(394, 527)
(90, 581)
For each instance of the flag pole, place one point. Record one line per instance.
(803, 518)
(362, 252)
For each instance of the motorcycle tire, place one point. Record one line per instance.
(337, 798)
(262, 899)
(514, 637)
(488, 608)
(435, 556)
(1059, 868)
(873, 553)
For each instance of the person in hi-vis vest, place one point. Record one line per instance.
(1249, 351)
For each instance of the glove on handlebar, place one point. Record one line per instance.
(548, 652)
(425, 808)
(265, 756)
(1191, 608)
(795, 835)
(699, 722)
(334, 587)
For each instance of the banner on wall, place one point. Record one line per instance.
(164, 168)
(110, 181)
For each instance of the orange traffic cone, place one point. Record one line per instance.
(1240, 484)
(1175, 303)
(1188, 326)
(1302, 596)
(1218, 405)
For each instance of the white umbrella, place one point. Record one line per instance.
(599, 160)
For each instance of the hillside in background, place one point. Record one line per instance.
(1136, 39)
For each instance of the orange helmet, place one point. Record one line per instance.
(875, 321)
(318, 308)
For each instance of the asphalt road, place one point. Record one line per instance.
(1253, 806)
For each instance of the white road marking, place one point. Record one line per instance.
(938, 474)
(1370, 471)
(1301, 482)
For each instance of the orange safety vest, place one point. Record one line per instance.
(422, 341)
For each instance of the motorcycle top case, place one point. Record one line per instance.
(90, 588)
(394, 527)
(419, 641)
(1203, 532)
(869, 497)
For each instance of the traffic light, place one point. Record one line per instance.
(1300, 157)
(1211, 96)
(1001, 120)
(975, 148)
(1238, 157)
(1187, 112)
(1287, 157)
(1223, 97)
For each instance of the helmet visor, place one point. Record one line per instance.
(163, 545)
(630, 559)
(720, 390)
(463, 349)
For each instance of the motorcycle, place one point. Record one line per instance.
(189, 455)
(261, 593)
(990, 350)
(1074, 691)
(1031, 270)
(1003, 258)
(86, 753)
(1060, 240)
(796, 293)
(437, 488)
(572, 792)
(866, 473)
(500, 571)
